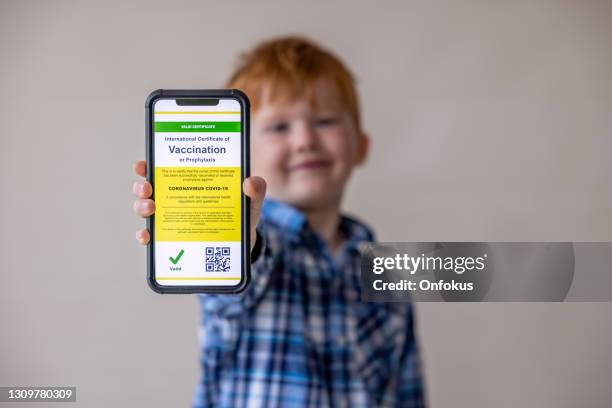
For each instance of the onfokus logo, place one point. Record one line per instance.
(414, 264)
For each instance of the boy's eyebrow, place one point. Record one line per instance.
(270, 120)
(272, 117)
(330, 109)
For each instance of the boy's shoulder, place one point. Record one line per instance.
(283, 222)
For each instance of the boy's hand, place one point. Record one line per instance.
(254, 187)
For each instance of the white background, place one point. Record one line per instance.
(490, 120)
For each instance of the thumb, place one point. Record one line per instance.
(255, 188)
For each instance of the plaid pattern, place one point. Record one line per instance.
(299, 336)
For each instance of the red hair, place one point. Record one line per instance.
(290, 66)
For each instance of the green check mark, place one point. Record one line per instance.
(177, 258)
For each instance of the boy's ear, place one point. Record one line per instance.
(363, 148)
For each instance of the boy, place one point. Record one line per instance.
(299, 336)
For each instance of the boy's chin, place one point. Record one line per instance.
(313, 199)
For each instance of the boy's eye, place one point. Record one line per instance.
(280, 127)
(326, 121)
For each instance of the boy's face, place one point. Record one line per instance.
(306, 153)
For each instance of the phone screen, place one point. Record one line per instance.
(197, 191)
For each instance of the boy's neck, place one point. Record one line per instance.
(325, 222)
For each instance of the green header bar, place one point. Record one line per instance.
(197, 126)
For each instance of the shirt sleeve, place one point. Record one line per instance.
(264, 264)
(221, 315)
(257, 248)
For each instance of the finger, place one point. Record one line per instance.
(140, 168)
(143, 237)
(144, 207)
(142, 189)
(255, 188)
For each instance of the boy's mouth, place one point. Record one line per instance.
(309, 165)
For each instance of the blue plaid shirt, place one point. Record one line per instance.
(299, 336)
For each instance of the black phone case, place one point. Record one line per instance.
(245, 167)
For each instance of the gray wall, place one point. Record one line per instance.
(489, 120)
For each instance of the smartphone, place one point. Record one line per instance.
(197, 145)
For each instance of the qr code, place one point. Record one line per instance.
(217, 259)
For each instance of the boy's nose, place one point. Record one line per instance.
(305, 138)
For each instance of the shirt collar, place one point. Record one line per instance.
(283, 215)
(294, 221)
(355, 231)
